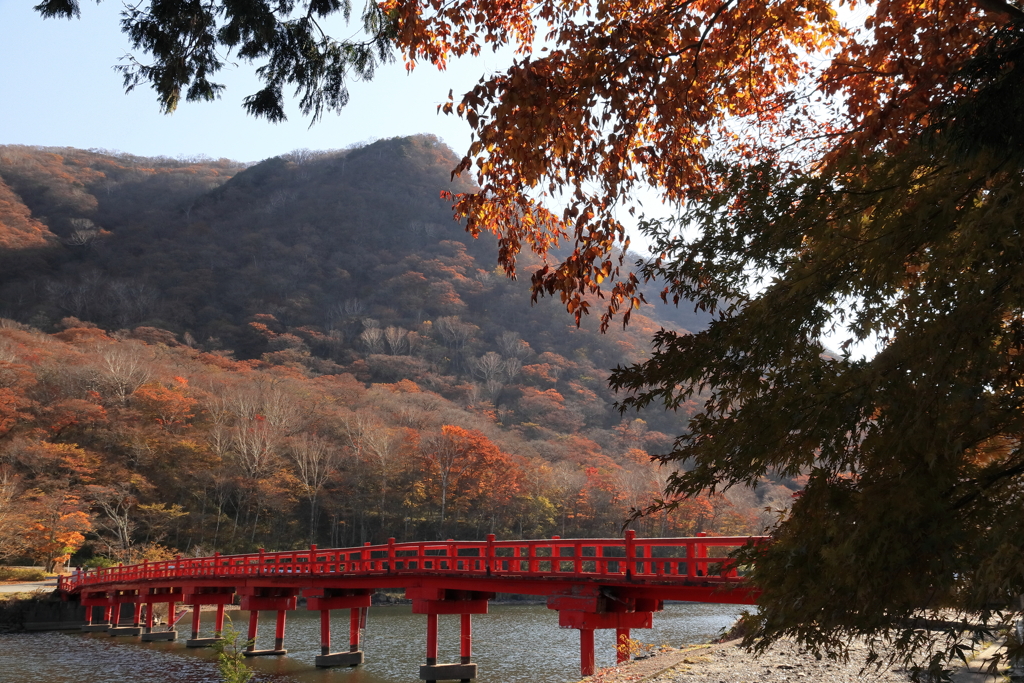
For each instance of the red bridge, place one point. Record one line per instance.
(592, 583)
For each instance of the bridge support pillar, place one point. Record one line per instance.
(272, 599)
(206, 595)
(587, 651)
(591, 607)
(355, 621)
(431, 639)
(466, 640)
(282, 615)
(356, 601)
(435, 601)
(91, 600)
(132, 597)
(158, 595)
(621, 645)
(325, 632)
(254, 626)
(197, 611)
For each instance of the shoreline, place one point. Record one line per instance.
(728, 662)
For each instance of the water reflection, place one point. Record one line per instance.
(512, 644)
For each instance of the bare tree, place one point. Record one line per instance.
(115, 503)
(283, 410)
(353, 307)
(452, 461)
(489, 366)
(512, 368)
(315, 461)
(493, 388)
(373, 339)
(123, 368)
(11, 518)
(567, 481)
(253, 447)
(454, 332)
(397, 339)
(128, 301)
(512, 346)
(377, 446)
(83, 232)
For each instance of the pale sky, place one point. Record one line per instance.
(58, 88)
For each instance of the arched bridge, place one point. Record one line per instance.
(592, 584)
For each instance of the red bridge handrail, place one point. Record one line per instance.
(654, 560)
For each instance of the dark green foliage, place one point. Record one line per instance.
(188, 40)
(914, 455)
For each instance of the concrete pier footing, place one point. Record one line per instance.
(95, 628)
(124, 631)
(447, 672)
(340, 659)
(264, 653)
(159, 635)
(202, 642)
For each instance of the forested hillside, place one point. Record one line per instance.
(199, 355)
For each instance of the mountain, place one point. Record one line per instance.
(186, 332)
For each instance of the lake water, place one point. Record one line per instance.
(511, 644)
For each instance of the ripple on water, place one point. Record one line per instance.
(512, 644)
(60, 657)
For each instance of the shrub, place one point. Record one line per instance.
(22, 574)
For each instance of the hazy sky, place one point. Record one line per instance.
(58, 88)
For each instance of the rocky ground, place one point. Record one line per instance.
(729, 663)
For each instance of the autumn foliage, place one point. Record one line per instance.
(213, 454)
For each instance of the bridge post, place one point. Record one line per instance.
(254, 625)
(621, 645)
(630, 554)
(431, 640)
(325, 632)
(466, 641)
(354, 621)
(587, 651)
(196, 620)
(489, 557)
(218, 622)
(279, 631)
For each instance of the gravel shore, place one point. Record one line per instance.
(729, 663)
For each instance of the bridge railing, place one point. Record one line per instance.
(698, 559)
